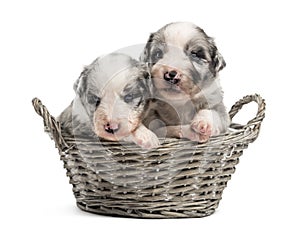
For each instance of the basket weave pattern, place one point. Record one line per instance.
(179, 179)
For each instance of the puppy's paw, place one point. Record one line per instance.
(206, 124)
(145, 139)
(203, 128)
(189, 133)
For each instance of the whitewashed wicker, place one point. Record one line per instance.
(179, 179)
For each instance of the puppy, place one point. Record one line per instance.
(111, 101)
(184, 64)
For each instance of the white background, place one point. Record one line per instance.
(45, 44)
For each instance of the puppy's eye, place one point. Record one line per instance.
(130, 97)
(93, 99)
(199, 54)
(158, 54)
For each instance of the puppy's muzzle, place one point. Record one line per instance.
(172, 76)
(111, 127)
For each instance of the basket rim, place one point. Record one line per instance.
(236, 134)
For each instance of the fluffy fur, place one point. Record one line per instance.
(184, 64)
(111, 101)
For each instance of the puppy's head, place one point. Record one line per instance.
(114, 91)
(183, 60)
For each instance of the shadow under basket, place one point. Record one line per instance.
(179, 179)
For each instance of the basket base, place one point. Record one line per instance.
(117, 212)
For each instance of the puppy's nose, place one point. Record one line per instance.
(111, 127)
(172, 77)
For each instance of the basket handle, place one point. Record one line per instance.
(254, 123)
(51, 126)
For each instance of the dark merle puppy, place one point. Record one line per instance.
(111, 101)
(184, 64)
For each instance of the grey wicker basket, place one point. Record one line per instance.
(179, 179)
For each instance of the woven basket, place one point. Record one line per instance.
(179, 179)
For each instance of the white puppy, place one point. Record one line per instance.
(111, 100)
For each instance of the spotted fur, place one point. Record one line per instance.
(191, 103)
(111, 100)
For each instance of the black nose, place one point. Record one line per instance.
(171, 77)
(172, 74)
(111, 128)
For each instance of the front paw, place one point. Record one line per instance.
(188, 132)
(203, 128)
(146, 139)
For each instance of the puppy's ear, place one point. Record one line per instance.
(218, 61)
(145, 55)
(75, 85)
(80, 84)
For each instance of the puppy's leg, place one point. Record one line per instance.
(143, 137)
(208, 123)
